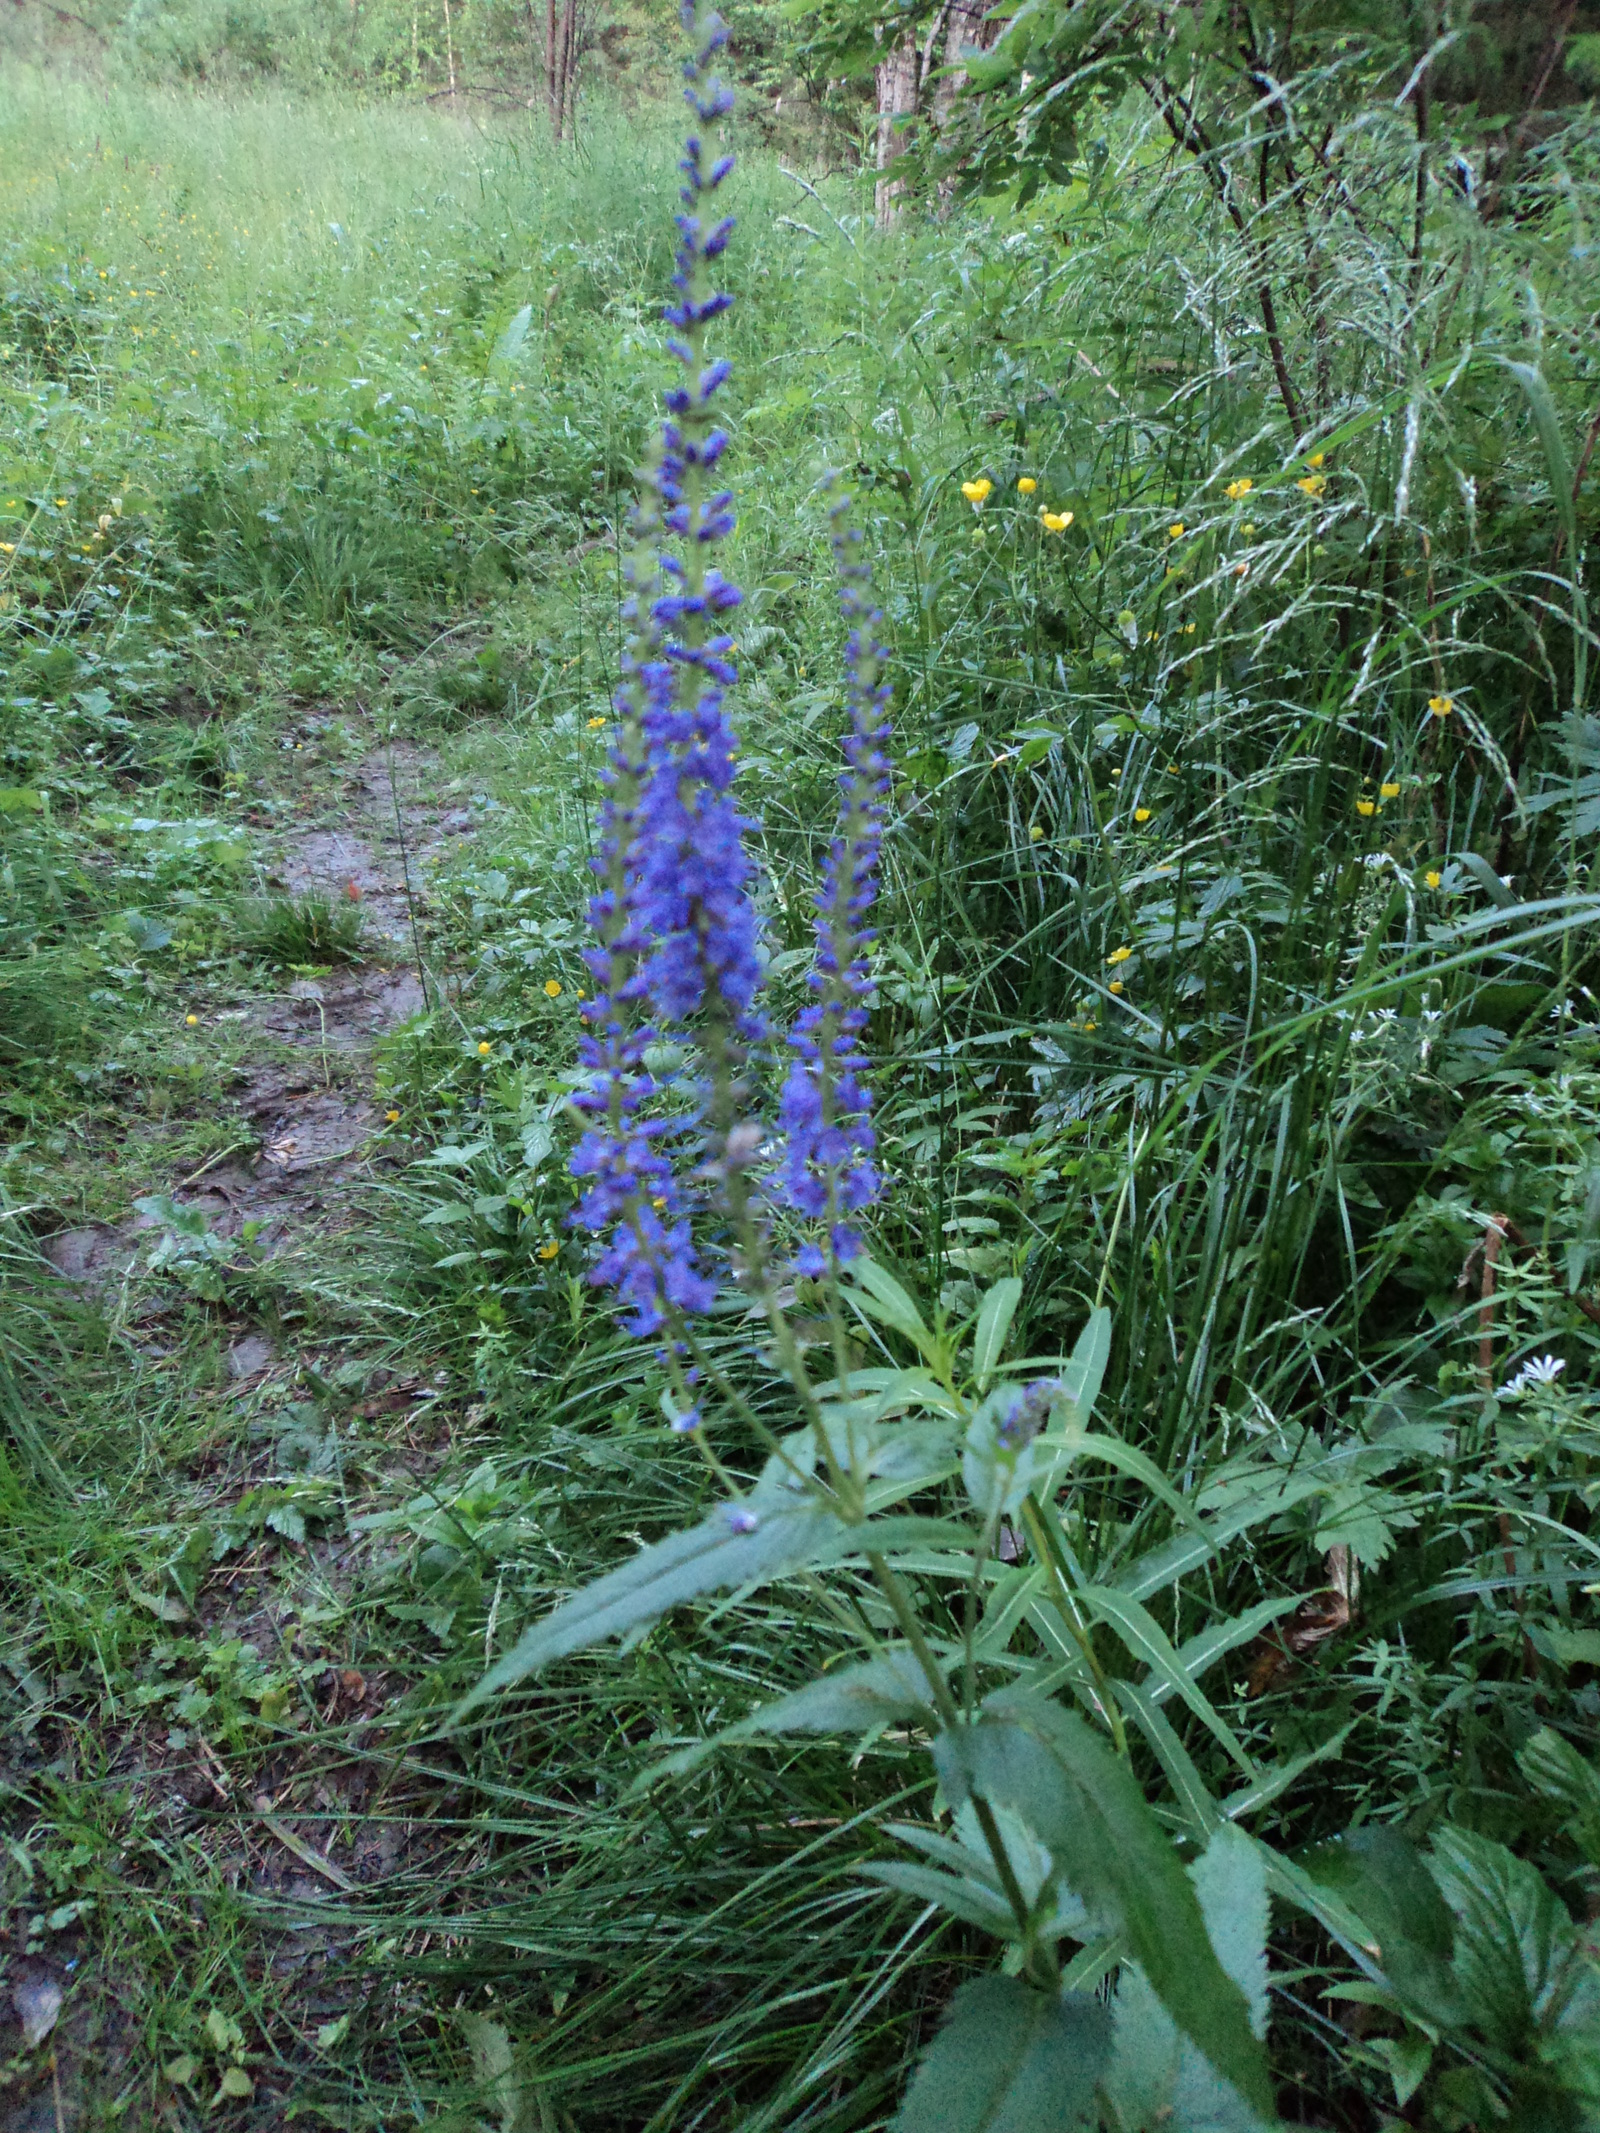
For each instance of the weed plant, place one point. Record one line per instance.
(1234, 975)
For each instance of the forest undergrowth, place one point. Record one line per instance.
(1234, 974)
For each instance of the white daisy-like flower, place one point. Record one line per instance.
(1538, 1370)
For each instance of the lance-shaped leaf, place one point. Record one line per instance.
(1147, 1640)
(739, 1544)
(1084, 1803)
(1009, 2060)
(995, 1314)
(851, 1699)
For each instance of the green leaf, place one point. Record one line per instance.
(1516, 1949)
(718, 1555)
(1407, 1929)
(876, 1292)
(1567, 1647)
(1554, 1767)
(494, 2068)
(1086, 1368)
(1158, 2078)
(995, 1314)
(235, 2086)
(509, 346)
(1548, 424)
(1148, 1641)
(20, 800)
(1201, 1810)
(958, 1894)
(1009, 2060)
(851, 1699)
(1084, 1803)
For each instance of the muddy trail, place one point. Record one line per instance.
(302, 1096)
(251, 1468)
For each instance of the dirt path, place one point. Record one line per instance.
(303, 1102)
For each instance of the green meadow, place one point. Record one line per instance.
(1235, 971)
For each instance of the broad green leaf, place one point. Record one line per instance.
(891, 1392)
(851, 1700)
(1517, 1959)
(1231, 1884)
(1158, 2078)
(875, 1291)
(1086, 1806)
(1148, 1641)
(1554, 1767)
(1406, 1928)
(1009, 2060)
(995, 1314)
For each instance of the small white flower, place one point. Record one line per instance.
(1538, 1370)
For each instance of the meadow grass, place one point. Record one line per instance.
(1201, 992)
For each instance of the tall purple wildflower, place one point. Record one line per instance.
(676, 936)
(827, 1171)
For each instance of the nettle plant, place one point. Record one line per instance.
(1133, 1979)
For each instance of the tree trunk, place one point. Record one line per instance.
(965, 31)
(449, 51)
(566, 66)
(550, 61)
(899, 78)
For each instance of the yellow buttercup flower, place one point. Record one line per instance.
(596, 725)
(1366, 807)
(1236, 489)
(1433, 877)
(977, 492)
(1026, 485)
(1115, 985)
(1119, 955)
(391, 1118)
(485, 1049)
(552, 988)
(548, 1250)
(1090, 1026)
(1312, 484)
(1388, 792)
(1175, 533)
(1441, 706)
(191, 1021)
(1055, 521)
(1141, 814)
(1317, 459)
